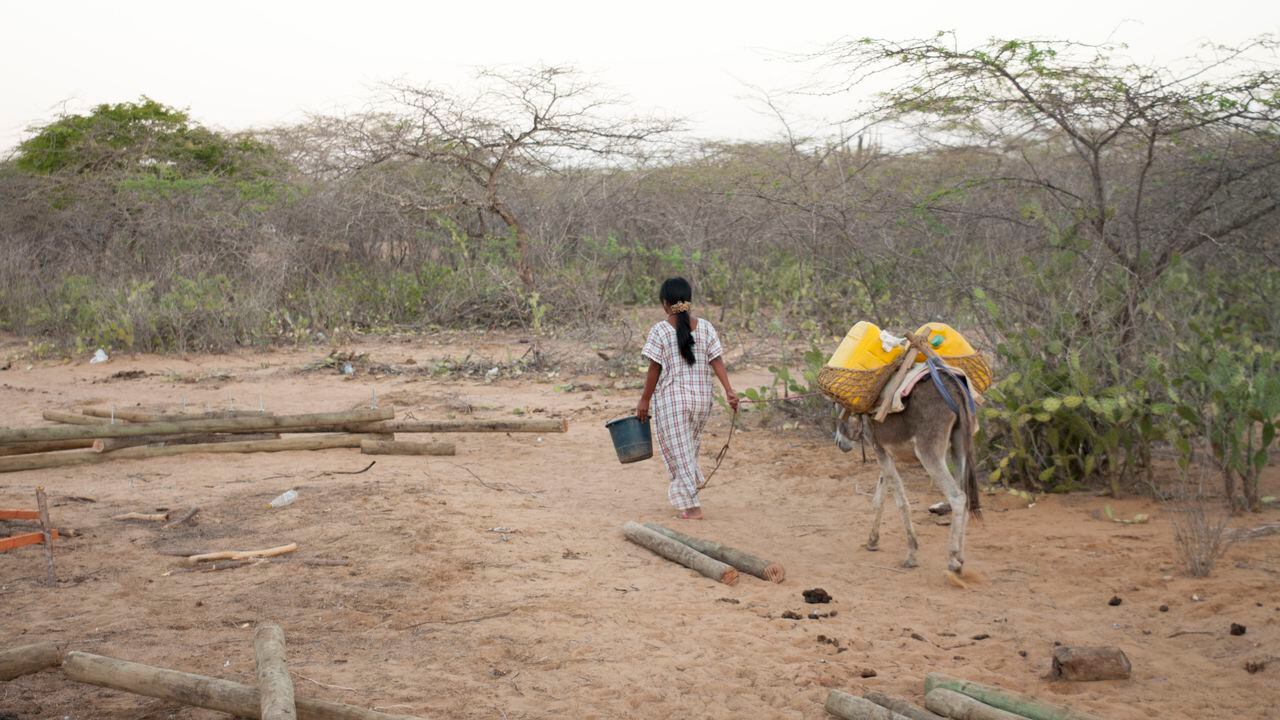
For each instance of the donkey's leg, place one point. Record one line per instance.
(877, 506)
(935, 463)
(904, 507)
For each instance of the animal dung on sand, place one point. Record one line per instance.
(816, 596)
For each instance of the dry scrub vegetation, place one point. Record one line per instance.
(1106, 229)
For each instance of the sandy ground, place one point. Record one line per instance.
(496, 584)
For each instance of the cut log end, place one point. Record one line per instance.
(775, 573)
(730, 577)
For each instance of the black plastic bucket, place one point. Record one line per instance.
(631, 439)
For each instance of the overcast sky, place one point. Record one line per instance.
(239, 64)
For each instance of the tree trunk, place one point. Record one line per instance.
(275, 687)
(679, 553)
(70, 418)
(392, 447)
(27, 659)
(952, 704)
(199, 690)
(113, 444)
(743, 561)
(902, 707)
(1023, 705)
(451, 426)
(46, 446)
(138, 416)
(322, 442)
(231, 425)
(851, 707)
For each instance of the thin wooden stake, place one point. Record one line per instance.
(46, 529)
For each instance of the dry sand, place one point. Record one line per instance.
(496, 584)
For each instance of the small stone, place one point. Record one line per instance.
(791, 615)
(867, 673)
(1237, 629)
(981, 636)
(918, 636)
(1023, 653)
(1164, 608)
(1114, 601)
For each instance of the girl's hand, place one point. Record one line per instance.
(642, 409)
(732, 397)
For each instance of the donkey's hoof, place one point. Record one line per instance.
(909, 563)
(873, 546)
(956, 566)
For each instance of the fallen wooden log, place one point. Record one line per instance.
(70, 418)
(531, 425)
(145, 517)
(952, 704)
(46, 446)
(141, 416)
(199, 690)
(322, 442)
(902, 707)
(1024, 705)
(242, 554)
(113, 444)
(275, 687)
(27, 659)
(184, 517)
(181, 427)
(851, 707)
(401, 447)
(1085, 664)
(1264, 530)
(746, 562)
(678, 552)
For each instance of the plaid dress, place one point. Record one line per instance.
(681, 404)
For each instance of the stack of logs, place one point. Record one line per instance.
(272, 699)
(96, 435)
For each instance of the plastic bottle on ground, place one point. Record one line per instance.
(285, 498)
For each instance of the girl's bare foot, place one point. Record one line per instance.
(693, 513)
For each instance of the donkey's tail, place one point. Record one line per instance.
(967, 421)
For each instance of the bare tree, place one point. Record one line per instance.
(534, 121)
(1145, 163)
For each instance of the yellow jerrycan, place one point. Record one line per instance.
(861, 349)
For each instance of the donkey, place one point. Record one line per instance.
(927, 431)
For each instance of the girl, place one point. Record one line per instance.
(683, 352)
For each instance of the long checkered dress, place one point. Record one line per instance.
(681, 404)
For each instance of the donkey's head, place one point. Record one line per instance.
(848, 429)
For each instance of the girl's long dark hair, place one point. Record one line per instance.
(676, 290)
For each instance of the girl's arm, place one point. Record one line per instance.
(717, 366)
(650, 383)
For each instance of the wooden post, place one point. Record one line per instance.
(70, 418)
(678, 552)
(952, 704)
(746, 562)
(902, 707)
(1023, 705)
(199, 690)
(275, 687)
(322, 442)
(400, 447)
(530, 425)
(851, 707)
(905, 363)
(137, 416)
(47, 446)
(113, 444)
(231, 425)
(46, 531)
(26, 659)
